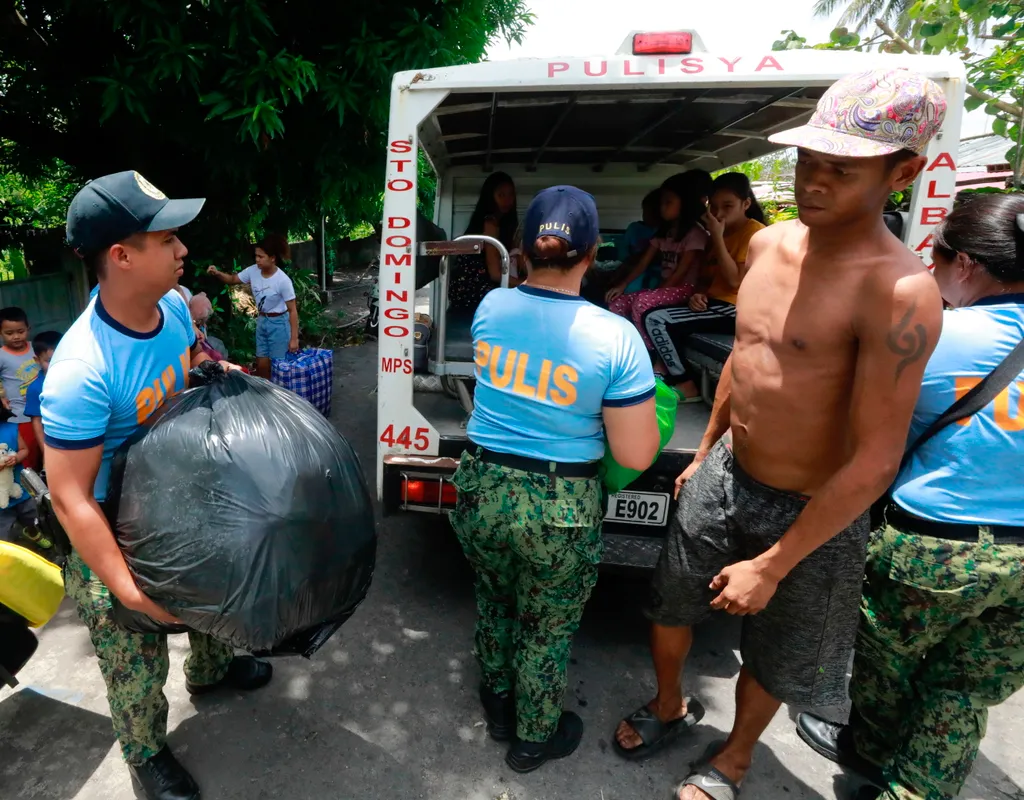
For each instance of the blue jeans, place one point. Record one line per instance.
(272, 336)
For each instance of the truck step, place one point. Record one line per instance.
(637, 552)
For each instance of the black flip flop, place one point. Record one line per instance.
(656, 734)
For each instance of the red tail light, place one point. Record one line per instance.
(651, 44)
(425, 492)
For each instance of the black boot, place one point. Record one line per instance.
(163, 778)
(245, 673)
(500, 713)
(528, 756)
(835, 742)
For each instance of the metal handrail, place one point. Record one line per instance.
(442, 310)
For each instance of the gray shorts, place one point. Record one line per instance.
(24, 514)
(798, 648)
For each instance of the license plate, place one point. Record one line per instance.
(638, 508)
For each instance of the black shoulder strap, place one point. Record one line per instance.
(976, 399)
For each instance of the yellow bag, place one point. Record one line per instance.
(30, 586)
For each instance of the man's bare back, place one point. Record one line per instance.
(802, 313)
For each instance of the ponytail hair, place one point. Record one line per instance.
(989, 229)
(739, 184)
(551, 252)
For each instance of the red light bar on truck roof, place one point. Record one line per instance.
(670, 44)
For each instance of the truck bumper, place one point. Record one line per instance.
(636, 519)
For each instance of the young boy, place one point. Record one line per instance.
(635, 242)
(43, 346)
(18, 368)
(20, 511)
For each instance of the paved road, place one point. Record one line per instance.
(387, 709)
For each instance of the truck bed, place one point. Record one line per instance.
(447, 416)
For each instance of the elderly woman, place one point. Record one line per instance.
(941, 638)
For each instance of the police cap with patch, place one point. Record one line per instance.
(112, 208)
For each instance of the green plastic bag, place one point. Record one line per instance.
(666, 401)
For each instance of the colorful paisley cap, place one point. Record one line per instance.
(872, 114)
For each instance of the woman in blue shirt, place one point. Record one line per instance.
(557, 377)
(942, 618)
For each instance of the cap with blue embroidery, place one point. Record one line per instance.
(566, 212)
(110, 209)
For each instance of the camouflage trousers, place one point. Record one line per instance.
(134, 665)
(534, 542)
(941, 640)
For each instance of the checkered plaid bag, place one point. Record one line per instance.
(310, 374)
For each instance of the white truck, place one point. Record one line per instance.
(616, 126)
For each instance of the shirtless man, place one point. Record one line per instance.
(836, 319)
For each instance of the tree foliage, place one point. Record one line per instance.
(37, 202)
(860, 15)
(274, 110)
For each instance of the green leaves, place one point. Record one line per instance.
(38, 200)
(123, 89)
(275, 110)
(791, 41)
(842, 38)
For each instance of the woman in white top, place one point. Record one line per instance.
(277, 329)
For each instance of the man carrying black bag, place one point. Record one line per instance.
(131, 348)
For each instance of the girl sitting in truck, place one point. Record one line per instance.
(679, 244)
(732, 220)
(495, 216)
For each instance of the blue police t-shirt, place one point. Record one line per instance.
(9, 436)
(33, 396)
(105, 380)
(972, 471)
(546, 366)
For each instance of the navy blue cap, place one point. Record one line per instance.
(110, 209)
(566, 212)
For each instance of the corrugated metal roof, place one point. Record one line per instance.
(983, 152)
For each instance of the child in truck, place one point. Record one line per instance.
(732, 220)
(679, 244)
(637, 241)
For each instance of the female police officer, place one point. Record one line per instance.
(941, 637)
(555, 377)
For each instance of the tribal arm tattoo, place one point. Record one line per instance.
(908, 341)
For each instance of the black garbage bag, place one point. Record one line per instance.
(17, 646)
(243, 512)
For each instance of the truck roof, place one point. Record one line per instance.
(693, 110)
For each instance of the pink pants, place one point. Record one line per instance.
(633, 306)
